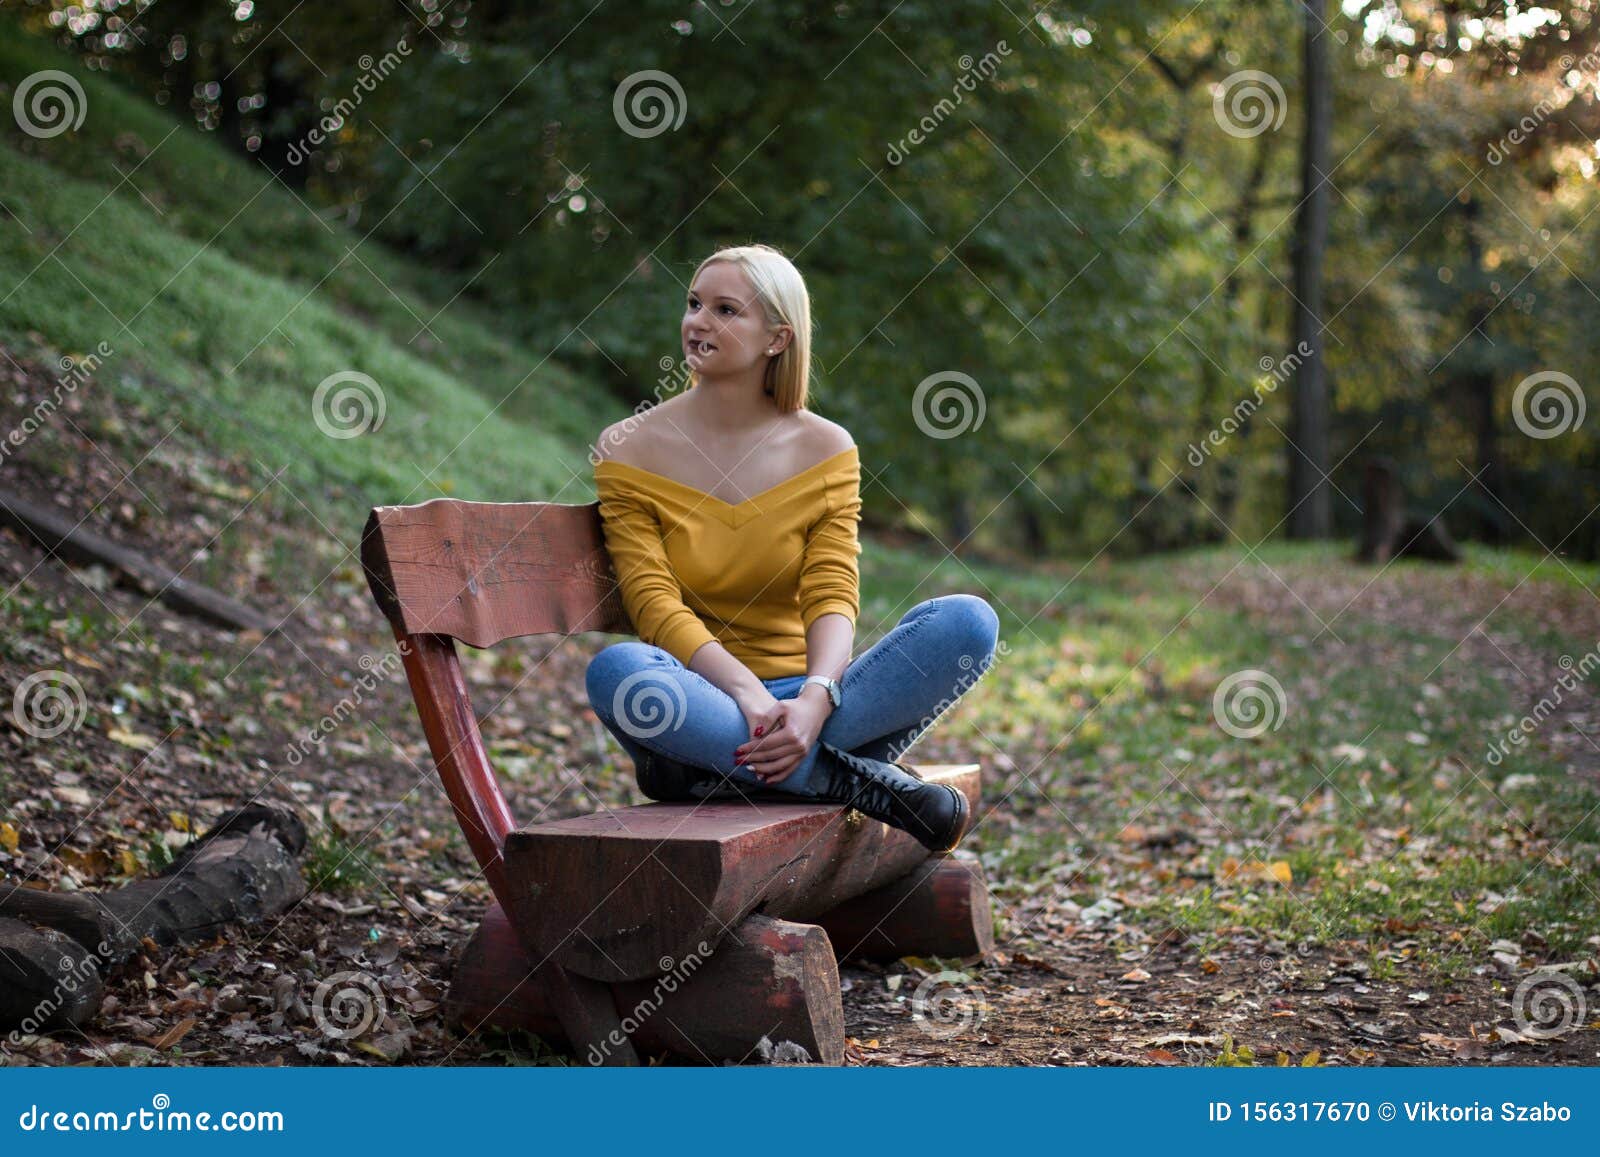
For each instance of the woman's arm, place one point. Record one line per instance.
(828, 646)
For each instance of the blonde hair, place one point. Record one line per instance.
(782, 293)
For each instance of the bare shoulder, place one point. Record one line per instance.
(629, 441)
(825, 437)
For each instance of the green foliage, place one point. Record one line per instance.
(1075, 231)
(332, 864)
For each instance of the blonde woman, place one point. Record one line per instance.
(731, 515)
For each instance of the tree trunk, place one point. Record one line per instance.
(1311, 509)
(1478, 386)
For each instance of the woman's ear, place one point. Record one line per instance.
(780, 339)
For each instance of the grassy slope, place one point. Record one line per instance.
(226, 301)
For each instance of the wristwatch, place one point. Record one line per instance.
(835, 692)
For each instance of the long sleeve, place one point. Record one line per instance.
(651, 594)
(830, 578)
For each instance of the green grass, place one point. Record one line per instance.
(1102, 704)
(225, 302)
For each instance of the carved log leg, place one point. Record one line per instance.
(940, 909)
(767, 977)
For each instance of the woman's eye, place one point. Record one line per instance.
(727, 309)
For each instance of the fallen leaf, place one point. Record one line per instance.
(1277, 872)
(134, 739)
(1135, 976)
(174, 1034)
(9, 837)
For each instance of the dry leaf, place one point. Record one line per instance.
(174, 1034)
(134, 739)
(1277, 872)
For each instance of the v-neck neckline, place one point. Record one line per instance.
(695, 490)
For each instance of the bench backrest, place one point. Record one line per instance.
(482, 572)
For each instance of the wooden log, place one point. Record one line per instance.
(587, 1012)
(47, 979)
(244, 868)
(608, 895)
(61, 536)
(940, 908)
(771, 978)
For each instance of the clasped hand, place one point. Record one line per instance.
(781, 732)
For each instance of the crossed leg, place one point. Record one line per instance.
(893, 692)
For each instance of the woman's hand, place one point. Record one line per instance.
(781, 735)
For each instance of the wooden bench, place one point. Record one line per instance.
(693, 928)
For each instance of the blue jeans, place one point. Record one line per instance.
(892, 693)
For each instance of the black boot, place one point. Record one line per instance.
(666, 780)
(935, 813)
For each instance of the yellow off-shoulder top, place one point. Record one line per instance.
(751, 575)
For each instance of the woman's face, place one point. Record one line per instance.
(725, 330)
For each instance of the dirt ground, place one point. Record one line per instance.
(187, 721)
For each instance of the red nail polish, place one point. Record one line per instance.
(759, 730)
